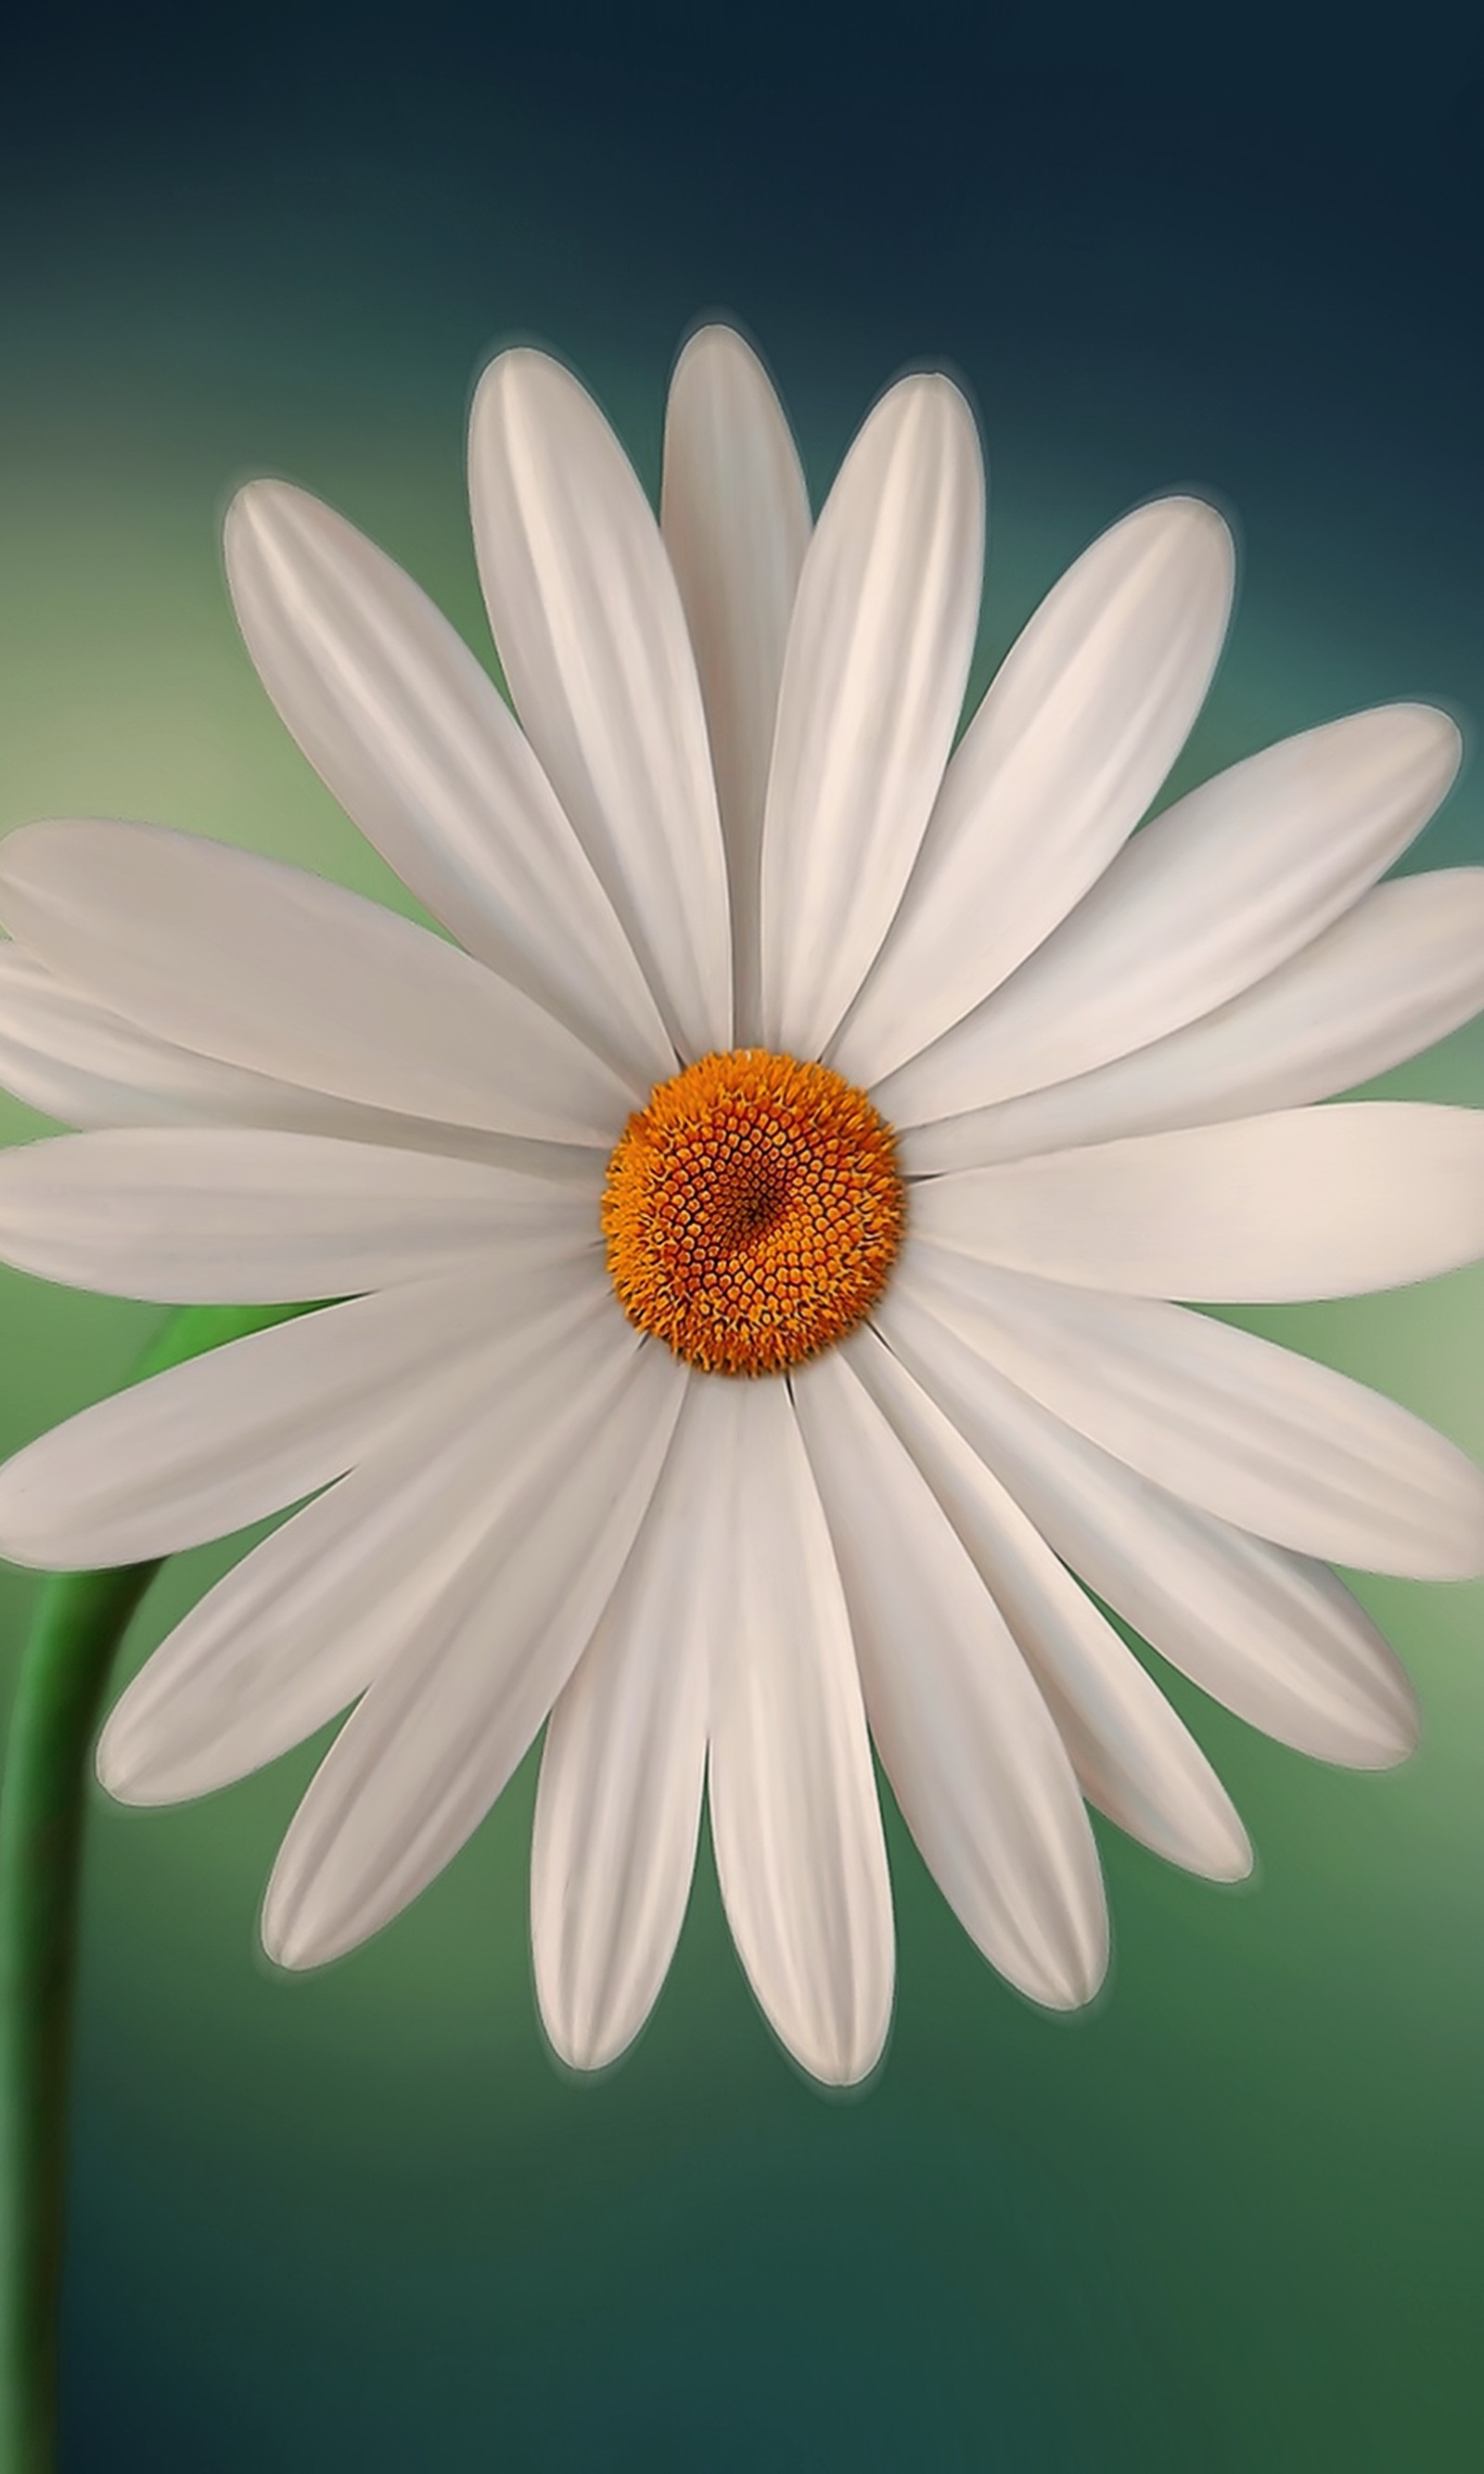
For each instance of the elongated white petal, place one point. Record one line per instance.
(570, 1464)
(873, 680)
(1401, 970)
(794, 1810)
(304, 1622)
(1254, 1433)
(1220, 890)
(733, 512)
(590, 630)
(1310, 1202)
(1078, 729)
(269, 967)
(971, 1750)
(216, 1216)
(1274, 1637)
(1133, 1757)
(237, 1434)
(623, 1775)
(65, 1054)
(415, 741)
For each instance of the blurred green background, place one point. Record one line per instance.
(1230, 2219)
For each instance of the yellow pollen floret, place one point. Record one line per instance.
(752, 1211)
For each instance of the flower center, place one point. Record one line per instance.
(753, 1210)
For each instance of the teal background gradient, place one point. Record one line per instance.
(1230, 2217)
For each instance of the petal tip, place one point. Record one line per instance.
(589, 2046)
(1423, 733)
(293, 1950)
(287, 1935)
(932, 393)
(271, 532)
(945, 392)
(715, 342)
(23, 839)
(1231, 1855)
(1072, 1974)
(1389, 1746)
(842, 2050)
(28, 1548)
(1460, 1542)
(134, 1767)
(1202, 528)
(260, 506)
(847, 2065)
(1379, 1730)
(518, 369)
(112, 1767)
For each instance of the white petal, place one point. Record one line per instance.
(971, 1750)
(793, 1812)
(873, 680)
(213, 1215)
(237, 1434)
(1253, 1432)
(1133, 1757)
(735, 515)
(304, 1622)
(1310, 1202)
(570, 1470)
(267, 967)
(1222, 888)
(1276, 1637)
(415, 741)
(591, 637)
(1401, 970)
(623, 1775)
(1078, 729)
(66, 1054)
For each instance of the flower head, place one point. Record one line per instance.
(773, 1036)
(753, 1212)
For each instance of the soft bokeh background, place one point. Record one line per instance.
(1231, 2220)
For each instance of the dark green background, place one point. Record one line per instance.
(1231, 2220)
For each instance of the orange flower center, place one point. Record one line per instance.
(752, 1211)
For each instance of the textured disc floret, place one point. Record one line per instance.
(752, 1211)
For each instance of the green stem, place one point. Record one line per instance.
(81, 1618)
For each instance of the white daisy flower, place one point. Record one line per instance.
(780, 1039)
